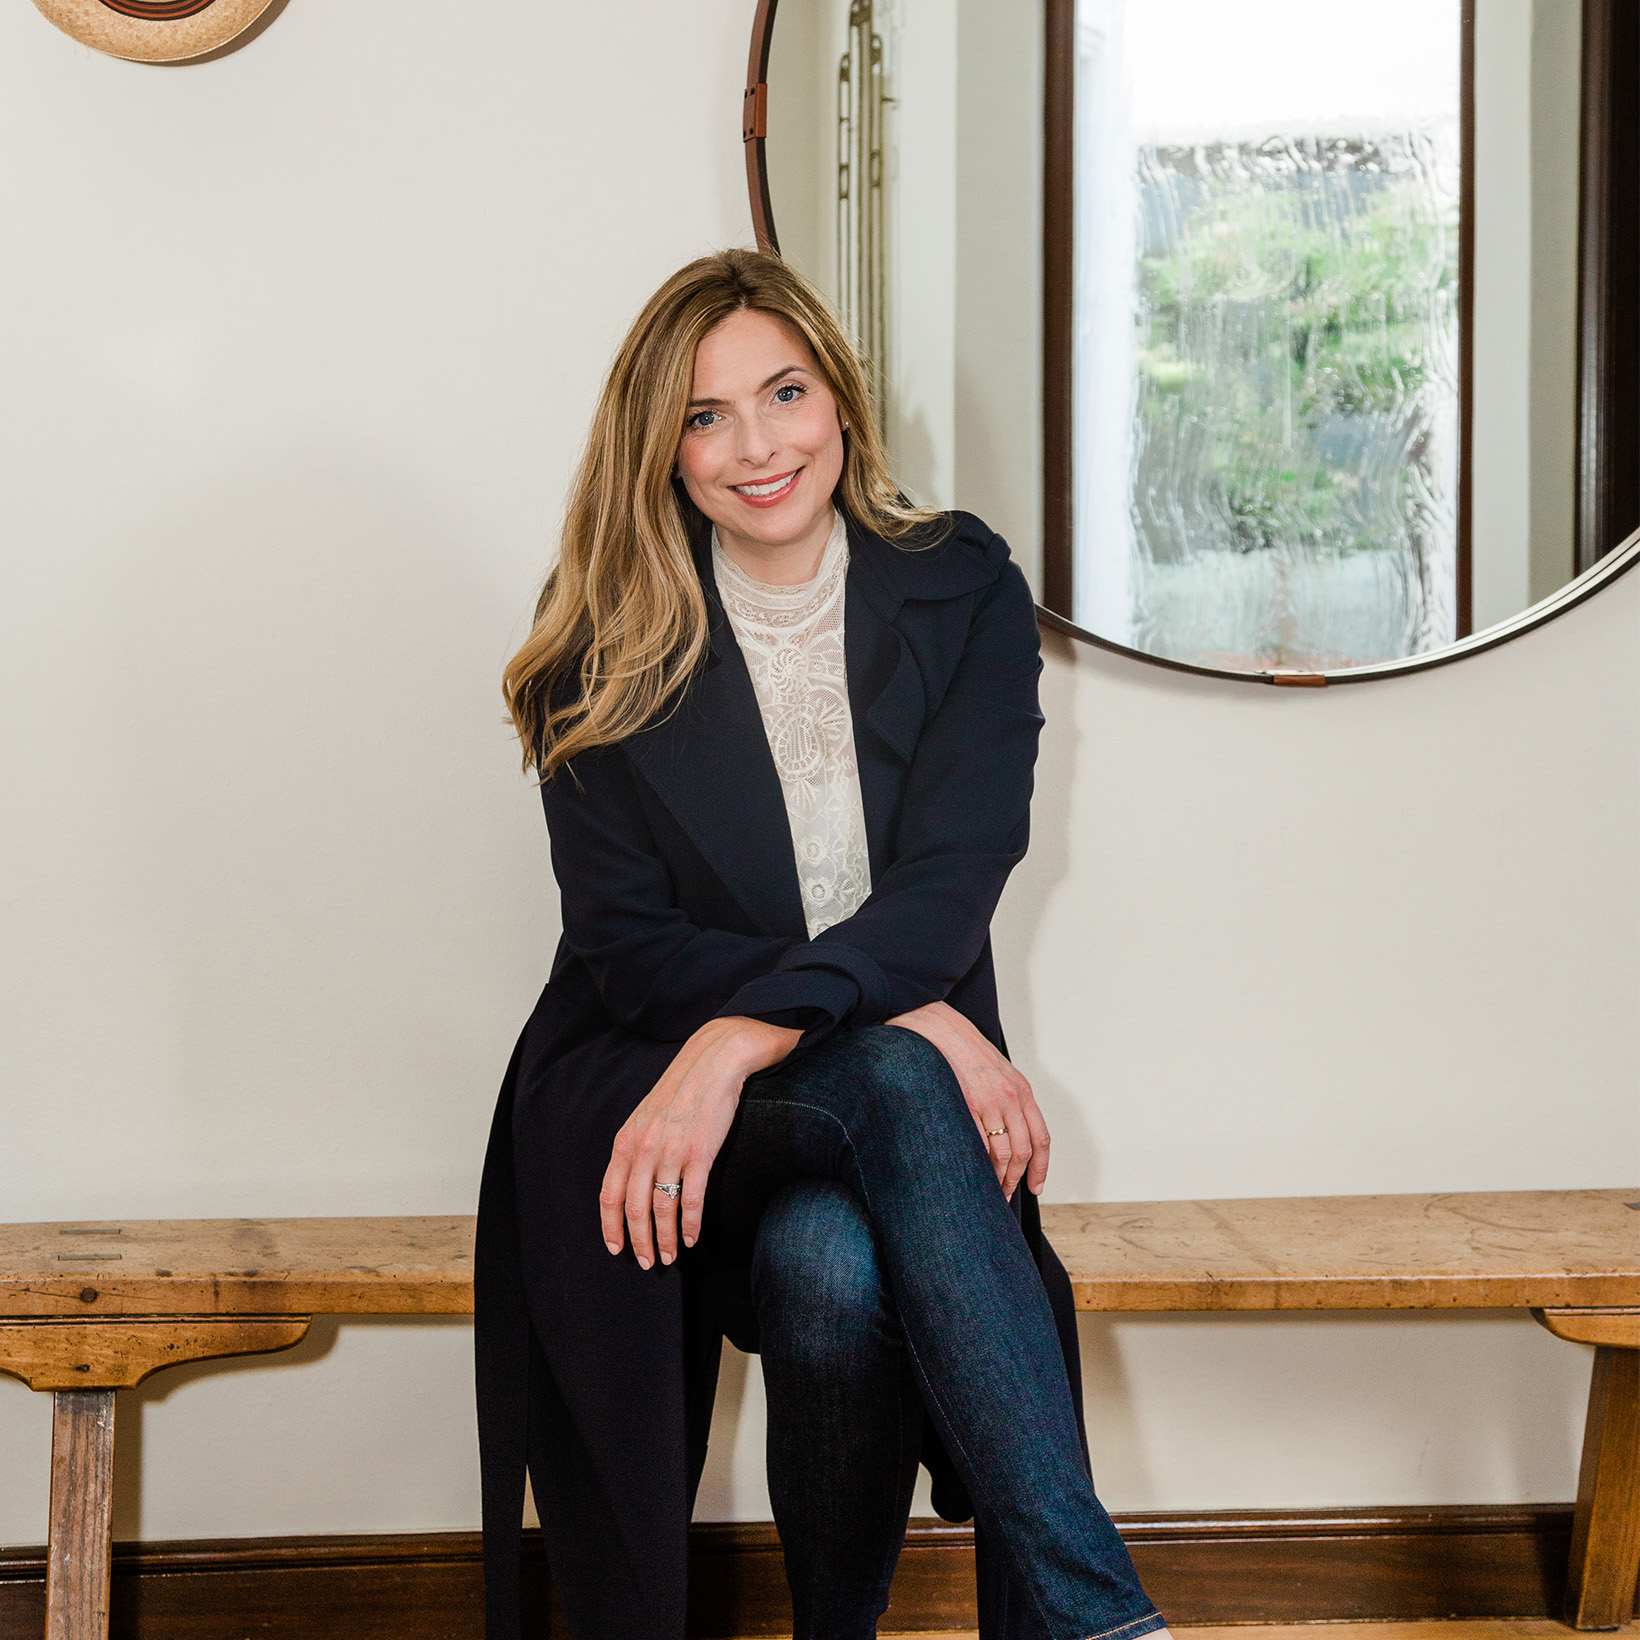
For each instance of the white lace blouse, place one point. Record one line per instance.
(792, 639)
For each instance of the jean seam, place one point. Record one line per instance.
(910, 1344)
(1122, 1628)
(928, 1384)
(899, 1446)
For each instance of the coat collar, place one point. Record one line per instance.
(891, 575)
(709, 759)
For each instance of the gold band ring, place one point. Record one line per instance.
(992, 1133)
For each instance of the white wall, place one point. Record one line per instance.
(1524, 416)
(298, 348)
(998, 346)
(1557, 70)
(924, 208)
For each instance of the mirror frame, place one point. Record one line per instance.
(1608, 388)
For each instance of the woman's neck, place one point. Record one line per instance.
(782, 564)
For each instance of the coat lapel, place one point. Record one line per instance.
(887, 697)
(709, 761)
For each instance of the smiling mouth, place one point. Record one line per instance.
(767, 489)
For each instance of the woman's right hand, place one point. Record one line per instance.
(674, 1136)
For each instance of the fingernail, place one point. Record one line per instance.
(666, 1258)
(688, 1241)
(613, 1246)
(643, 1263)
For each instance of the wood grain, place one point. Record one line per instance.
(754, 128)
(1288, 1566)
(1608, 486)
(1605, 1550)
(82, 1496)
(1058, 306)
(1544, 1249)
(1552, 1251)
(1619, 1328)
(353, 1266)
(1435, 1628)
(1525, 1249)
(1463, 1628)
(112, 1352)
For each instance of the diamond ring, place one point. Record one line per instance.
(672, 1190)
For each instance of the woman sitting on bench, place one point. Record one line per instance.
(785, 723)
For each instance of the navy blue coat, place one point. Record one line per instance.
(681, 903)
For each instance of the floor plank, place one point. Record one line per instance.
(1522, 1628)
(1511, 1628)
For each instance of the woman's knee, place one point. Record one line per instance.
(893, 1060)
(907, 1085)
(816, 1264)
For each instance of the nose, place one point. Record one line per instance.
(757, 445)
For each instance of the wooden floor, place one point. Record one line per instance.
(1523, 1628)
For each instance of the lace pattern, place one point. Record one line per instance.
(792, 640)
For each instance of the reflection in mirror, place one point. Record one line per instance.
(1323, 326)
(830, 155)
(833, 165)
(903, 159)
(1266, 370)
(1308, 287)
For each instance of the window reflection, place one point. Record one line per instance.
(1266, 343)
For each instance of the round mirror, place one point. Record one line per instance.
(1281, 344)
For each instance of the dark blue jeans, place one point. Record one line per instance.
(892, 1279)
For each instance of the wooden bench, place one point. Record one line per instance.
(86, 1309)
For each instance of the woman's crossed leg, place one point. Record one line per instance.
(879, 1111)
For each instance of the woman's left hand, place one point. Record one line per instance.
(999, 1098)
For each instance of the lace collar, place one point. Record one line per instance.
(783, 611)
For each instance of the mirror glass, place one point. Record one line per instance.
(1320, 323)
(912, 196)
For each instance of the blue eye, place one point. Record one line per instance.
(701, 418)
(794, 388)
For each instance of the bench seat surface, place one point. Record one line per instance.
(359, 1266)
(1521, 1249)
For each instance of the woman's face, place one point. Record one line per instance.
(762, 445)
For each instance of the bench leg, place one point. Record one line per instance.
(82, 1496)
(1605, 1555)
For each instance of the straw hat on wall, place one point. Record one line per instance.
(153, 31)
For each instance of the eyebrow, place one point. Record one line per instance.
(762, 387)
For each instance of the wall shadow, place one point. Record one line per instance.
(130, 1405)
(237, 43)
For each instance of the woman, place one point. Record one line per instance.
(785, 724)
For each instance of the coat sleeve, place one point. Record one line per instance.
(963, 827)
(656, 972)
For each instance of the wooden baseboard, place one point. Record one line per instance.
(1280, 1566)
(1266, 1566)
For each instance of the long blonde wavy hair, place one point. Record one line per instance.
(620, 626)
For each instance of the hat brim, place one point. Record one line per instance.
(152, 31)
